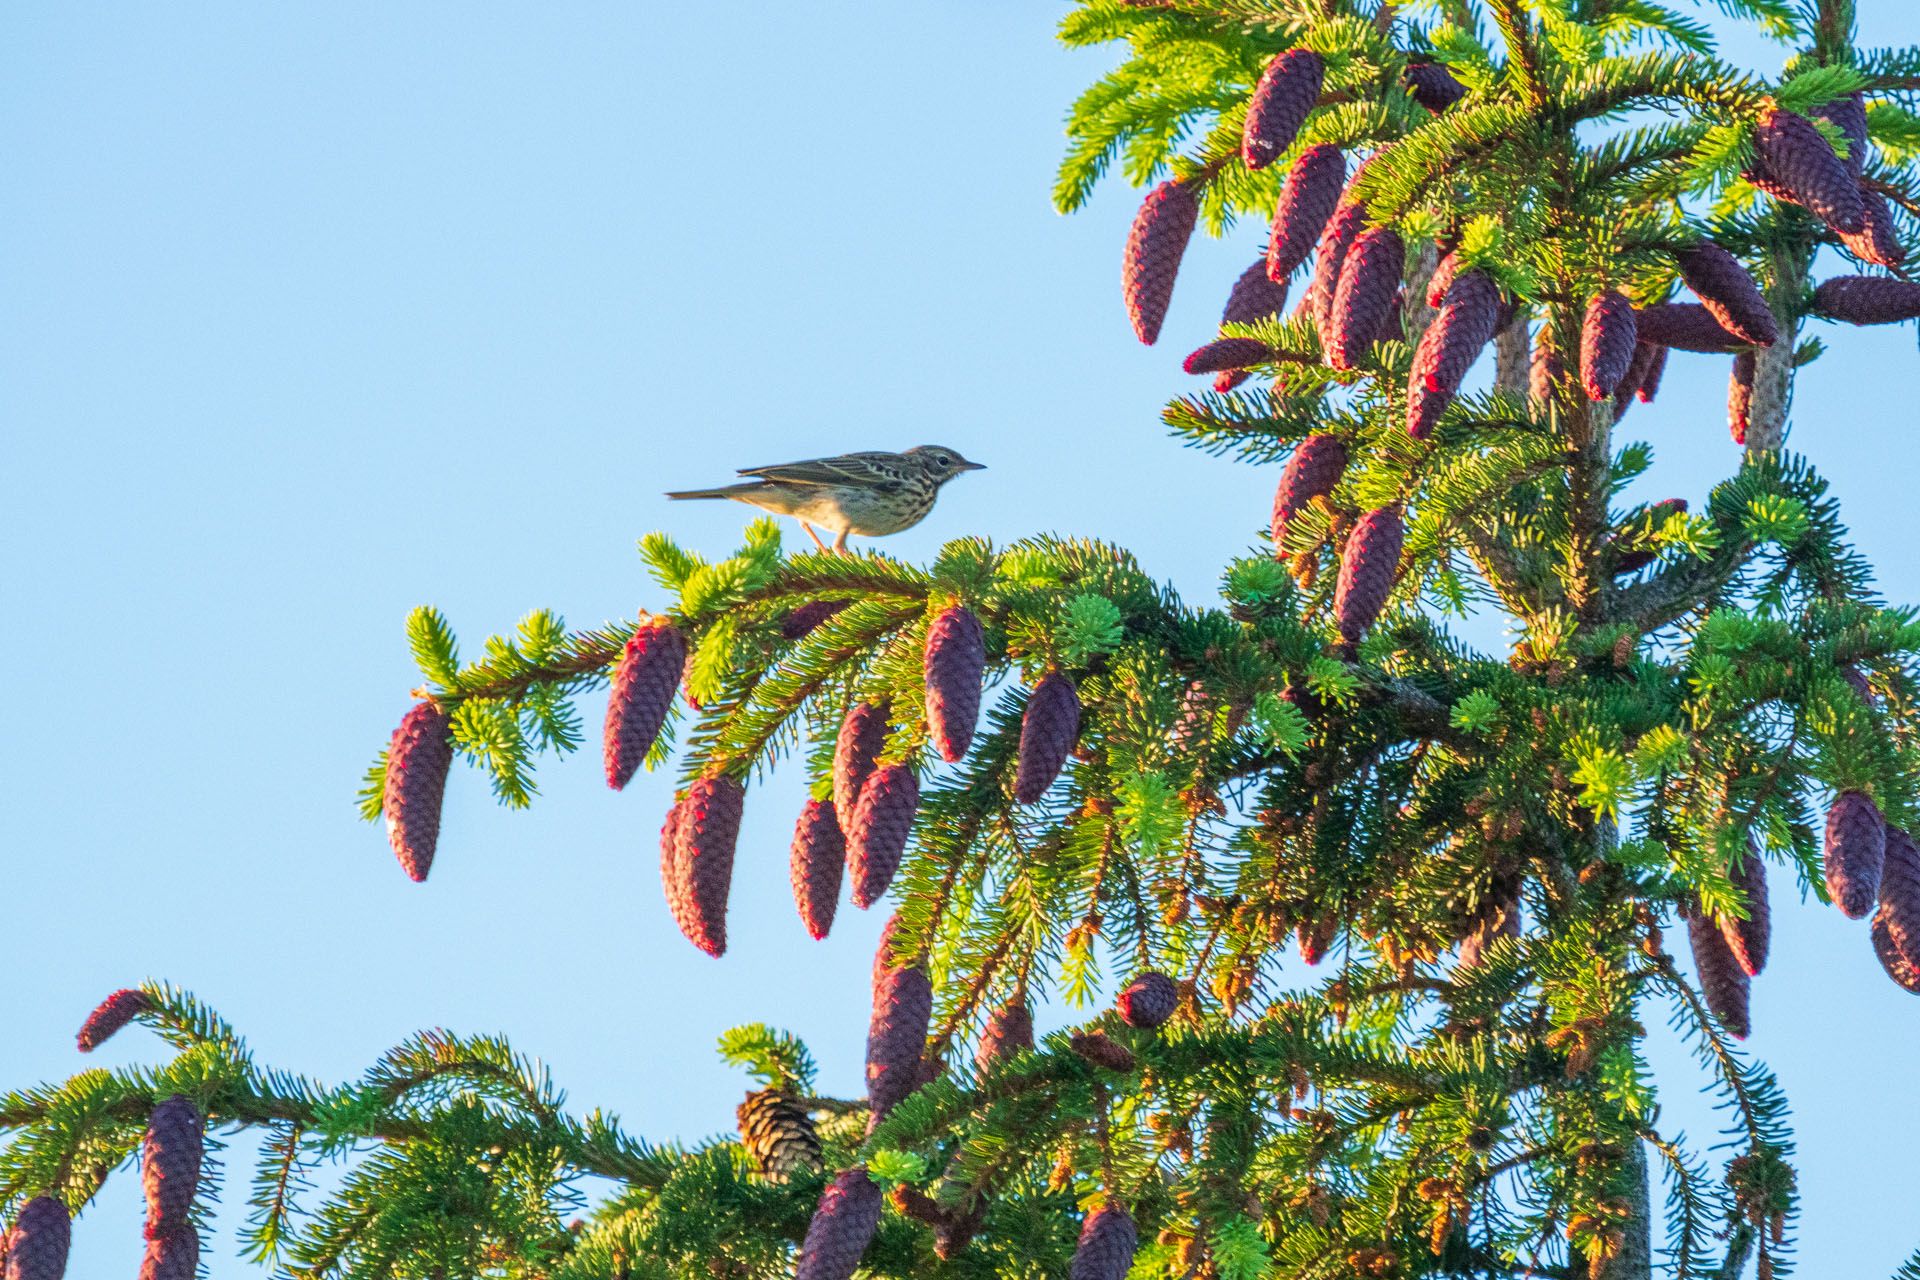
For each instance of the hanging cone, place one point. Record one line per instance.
(1314, 469)
(170, 1157)
(1433, 86)
(418, 759)
(644, 683)
(1608, 341)
(842, 1226)
(1848, 113)
(1748, 940)
(1149, 1000)
(709, 830)
(1797, 157)
(816, 864)
(174, 1257)
(1856, 852)
(673, 877)
(1898, 967)
(1047, 733)
(896, 1033)
(1722, 981)
(1650, 380)
(1645, 355)
(1469, 317)
(1107, 1242)
(1728, 293)
(1686, 325)
(1154, 248)
(1307, 201)
(111, 1014)
(881, 824)
(1254, 297)
(1442, 280)
(802, 621)
(1878, 240)
(1009, 1031)
(1363, 301)
(1224, 355)
(1867, 299)
(779, 1134)
(1900, 894)
(1348, 221)
(1368, 568)
(1227, 379)
(1547, 370)
(956, 656)
(1288, 90)
(36, 1249)
(863, 736)
(1740, 396)
(1316, 936)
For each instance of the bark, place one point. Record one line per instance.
(1513, 356)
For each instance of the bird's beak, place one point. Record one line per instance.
(973, 466)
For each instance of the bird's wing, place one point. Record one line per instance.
(866, 470)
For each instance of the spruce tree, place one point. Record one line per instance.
(1386, 915)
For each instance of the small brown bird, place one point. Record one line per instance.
(871, 494)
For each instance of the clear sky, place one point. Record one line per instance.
(312, 313)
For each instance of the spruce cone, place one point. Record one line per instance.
(955, 658)
(1228, 355)
(1856, 852)
(1900, 893)
(1008, 1032)
(1315, 936)
(1363, 301)
(1608, 341)
(1748, 940)
(1848, 113)
(1254, 297)
(1547, 370)
(673, 879)
(1867, 299)
(1154, 248)
(882, 821)
(1442, 280)
(1722, 981)
(113, 1013)
(863, 736)
(709, 830)
(1348, 221)
(897, 1030)
(418, 759)
(778, 1133)
(1286, 93)
(1368, 567)
(1227, 379)
(1047, 733)
(1892, 959)
(842, 1226)
(37, 1246)
(1307, 200)
(1101, 1051)
(1312, 472)
(174, 1257)
(1645, 356)
(816, 865)
(1796, 157)
(1878, 240)
(1149, 1000)
(643, 687)
(1728, 293)
(1685, 325)
(801, 622)
(1433, 86)
(1107, 1242)
(170, 1164)
(1650, 380)
(1740, 396)
(1469, 316)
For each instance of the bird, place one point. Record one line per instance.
(871, 494)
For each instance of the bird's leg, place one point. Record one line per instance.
(813, 535)
(840, 543)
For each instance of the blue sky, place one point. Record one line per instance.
(315, 313)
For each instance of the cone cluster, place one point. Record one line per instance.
(644, 683)
(778, 1133)
(1047, 733)
(1149, 1000)
(111, 1014)
(418, 760)
(1154, 248)
(956, 658)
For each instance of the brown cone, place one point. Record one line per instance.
(1368, 568)
(882, 821)
(816, 865)
(1102, 1051)
(1047, 733)
(1728, 293)
(1848, 113)
(863, 736)
(1900, 893)
(1154, 248)
(1369, 277)
(1107, 1242)
(709, 831)
(956, 657)
(1856, 853)
(896, 1034)
(1722, 981)
(113, 1013)
(174, 1257)
(842, 1226)
(1686, 325)
(1867, 299)
(1348, 221)
(1307, 200)
(1433, 86)
(1798, 158)
(1314, 469)
(1228, 354)
(1892, 959)
(418, 759)
(1149, 1000)
(1748, 940)
(1740, 396)
(1878, 240)
(36, 1249)
(644, 683)
(778, 1133)
(170, 1164)
(1315, 936)
(802, 621)
(1287, 91)
(1254, 297)
(1608, 341)
(1009, 1031)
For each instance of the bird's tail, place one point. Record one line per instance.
(707, 493)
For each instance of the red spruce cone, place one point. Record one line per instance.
(1728, 293)
(1848, 113)
(817, 862)
(1228, 354)
(1900, 893)
(37, 1246)
(956, 657)
(1685, 325)
(1348, 221)
(1227, 379)
(1254, 297)
(170, 1164)
(1856, 852)
(1154, 248)
(643, 687)
(1102, 1051)
(1433, 86)
(1796, 157)
(1312, 472)
(1307, 200)
(1650, 380)
(673, 880)
(1898, 967)
(1645, 356)
(1368, 568)
(1363, 301)
(113, 1013)
(1286, 93)
(1442, 279)
(863, 736)
(174, 1257)
(896, 1032)
(1867, 299)
(1469, 316)
(1748, 940)
(1009, 1031)
(1878, 240)
(709, 830)
(802, 621)
(842, 1226)
(1047, 733)
(882, 821)
(418, 759)
(778, 1133)
(1740, 396)
(1107, 1242)
(1608, 341)
(1149, 1000)
(1722, 981)
(1547, 370)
